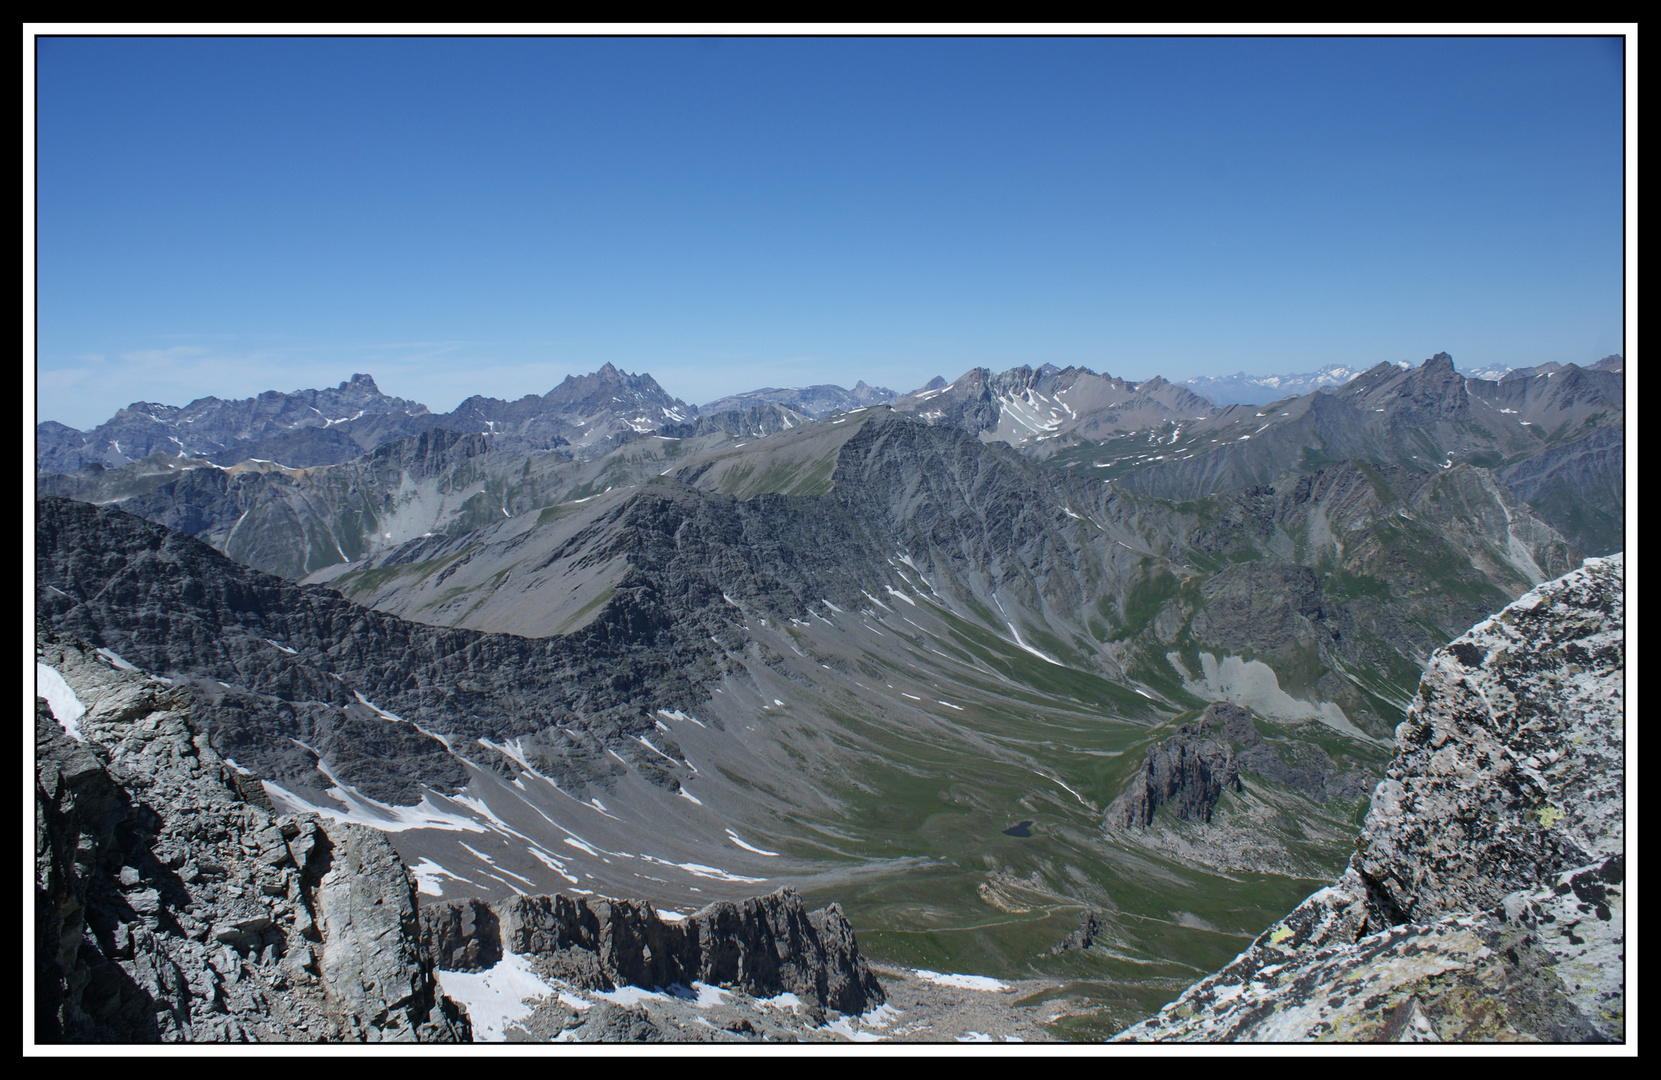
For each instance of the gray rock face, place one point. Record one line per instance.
(168, 908)
(755, 421)
(1508, 767)
(1188, 772)
(373, 967)
(169, 603)
(1485, 901)
(763, 946)
(462, 935)
(1579, 488)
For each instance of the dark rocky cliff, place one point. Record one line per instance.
(763, 946)
(295, 658)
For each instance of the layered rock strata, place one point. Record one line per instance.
(1485, 900)
(169, 907)
(764, 946)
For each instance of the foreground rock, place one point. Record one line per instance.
(1485, 901)
(763, 947)
(172, 904)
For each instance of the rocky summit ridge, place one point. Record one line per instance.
(1485, 899)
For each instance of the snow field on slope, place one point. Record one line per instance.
(66, 707)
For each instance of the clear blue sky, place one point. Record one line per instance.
(458, 216)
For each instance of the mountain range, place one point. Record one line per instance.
(1003, 666)
(1244, 389)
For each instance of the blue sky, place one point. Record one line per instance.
(458, 216)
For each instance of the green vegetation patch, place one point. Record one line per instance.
(580, 616)
(371, 580)
(1144, 601)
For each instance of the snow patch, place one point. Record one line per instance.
(1029, 648)
(497, 997)
(844, 1027)
(115, 660)
(749, 847)
(700, 870)
(427, 874)
(964, 982)
(66, 708)
(362, 810)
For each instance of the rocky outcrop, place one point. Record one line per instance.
(608, 1023)
(1485, 900)
(1191, 770)
(1188, 772)
(1305, 767)
(1089, 925)
(763, 946)
(1283, 792)
(372, 966)
(170, 908)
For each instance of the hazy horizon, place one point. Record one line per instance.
(698, 401)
